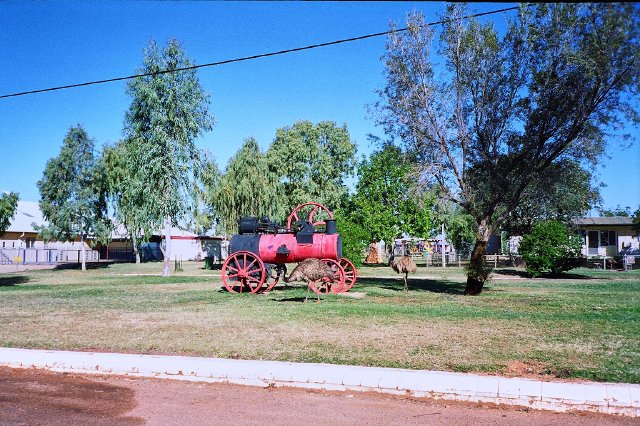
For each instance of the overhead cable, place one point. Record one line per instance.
(245, 58)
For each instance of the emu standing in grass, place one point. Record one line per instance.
(403, 265)
(311, 270)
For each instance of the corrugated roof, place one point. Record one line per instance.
(27, 213)
(604, 221)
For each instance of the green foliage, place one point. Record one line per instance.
(563, 193)
(312, 163)
(168, 112)
(386, 204)
(460, 228)
(509, 108)
(73, 192)
(205, 217)
(247, 188)
(616, 211)
(355, 237)
(550, 247)
(8, 206)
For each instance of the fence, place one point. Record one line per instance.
(26, 256)
(128, 255)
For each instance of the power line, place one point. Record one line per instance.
(246, 58)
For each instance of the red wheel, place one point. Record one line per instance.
(243, 271)
(313, 209)
(350, 273)
(325, 286)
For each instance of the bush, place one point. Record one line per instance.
(354, 238)
(550, 247)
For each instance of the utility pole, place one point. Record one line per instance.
(444, 256)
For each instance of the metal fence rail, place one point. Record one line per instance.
(26, 256)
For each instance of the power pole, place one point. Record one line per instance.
(444, 256)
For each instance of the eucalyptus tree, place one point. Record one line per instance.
(8, 206)
(508, 107)
(312, 163)
(168, 111)
(246, 188)
(73, 192)
(387, 203)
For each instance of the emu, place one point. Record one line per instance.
(311, 270)
(403, 265)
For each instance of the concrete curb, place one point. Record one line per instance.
(609, 398)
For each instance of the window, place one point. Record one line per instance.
(607, 238)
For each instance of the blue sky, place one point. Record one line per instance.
(46, 44)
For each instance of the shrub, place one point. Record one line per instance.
(550, 247)
(354, 238)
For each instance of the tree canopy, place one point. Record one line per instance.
(168, 111)
(312, 163)
(562, 194)
(73, 192)
(509, 107)
(247, 188)
(8, 206)
(386, 203)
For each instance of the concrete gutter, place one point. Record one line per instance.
(609, 398)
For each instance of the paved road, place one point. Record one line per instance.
(37, 397)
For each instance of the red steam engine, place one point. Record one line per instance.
(259, 253)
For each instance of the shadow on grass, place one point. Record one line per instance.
(524, 274)
(90, 265)
(415, 283)
(12, 280)
(296, 299)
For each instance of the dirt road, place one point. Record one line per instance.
(36, 397)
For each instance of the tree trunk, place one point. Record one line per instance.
(478, 273)
(166, 269)
(136, 248)
(84, 253)
(475, 279)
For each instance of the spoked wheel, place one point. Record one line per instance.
(315, 213)
(350, 273)
(242, 272)
(325, 286)
(274, 274)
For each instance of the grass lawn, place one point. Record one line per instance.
(583, 325)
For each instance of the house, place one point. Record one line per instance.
(608, 236)
(21, 242)
(21, 233)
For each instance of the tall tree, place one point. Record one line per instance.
(169, 110)
(73, 192)
(386, 202)
(247, 188)
(8, 206)
(509, 107)
(312, 163)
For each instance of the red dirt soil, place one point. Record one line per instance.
(38, 397)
